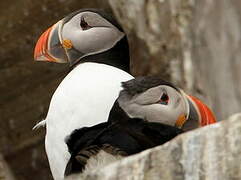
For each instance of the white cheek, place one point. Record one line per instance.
(94, 40)
(161, 113)
(134, 110)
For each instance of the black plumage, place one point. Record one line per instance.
(101, 12)
(121, 135)
(141, 84)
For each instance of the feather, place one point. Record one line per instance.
(40, 124)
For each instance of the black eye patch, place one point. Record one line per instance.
(164, 99)
(83, 24)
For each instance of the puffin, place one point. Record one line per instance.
(96, 48)
(148, 112)
(85, 103)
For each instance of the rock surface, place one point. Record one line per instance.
(193, 43)
(211, 153)
(5, 172)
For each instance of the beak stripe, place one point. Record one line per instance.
(50, 58)
(42, 44)
(207, 117)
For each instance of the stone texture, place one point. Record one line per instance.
(5, 172)
(210, 153)
(195, 44)
(152, 33)
(216, 28)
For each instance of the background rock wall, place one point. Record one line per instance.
(5, 172)
(195, 44)
(26, 86)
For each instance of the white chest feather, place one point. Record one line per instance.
(84, 98)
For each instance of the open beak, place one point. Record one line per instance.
(206, 116)
(49, 46)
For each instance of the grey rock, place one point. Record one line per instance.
(153, 36)
(210, 153)
(5, 172)
(195, 44)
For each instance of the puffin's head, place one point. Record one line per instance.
(80, 34)
(155, 100)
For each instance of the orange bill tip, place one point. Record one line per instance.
(40, 51)
(207, 116)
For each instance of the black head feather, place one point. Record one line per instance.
(141, 84)
(101, 12)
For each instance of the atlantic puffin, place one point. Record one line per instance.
(96, 48)
(148, 112)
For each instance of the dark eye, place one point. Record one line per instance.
(164, 99)
(83, 24)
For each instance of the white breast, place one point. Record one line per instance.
(84, 98)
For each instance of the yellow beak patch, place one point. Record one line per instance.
(180, 121)
(67, 44)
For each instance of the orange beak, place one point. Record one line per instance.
(206, 116)
(41, 48)
(49, 47)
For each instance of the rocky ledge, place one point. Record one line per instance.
(210, 153)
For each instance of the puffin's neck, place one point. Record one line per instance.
(117, 114)
(118, 56)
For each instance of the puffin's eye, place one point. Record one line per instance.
(84, 25)
(164, 99)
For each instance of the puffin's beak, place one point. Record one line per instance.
(206, 116)
(49, 46)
